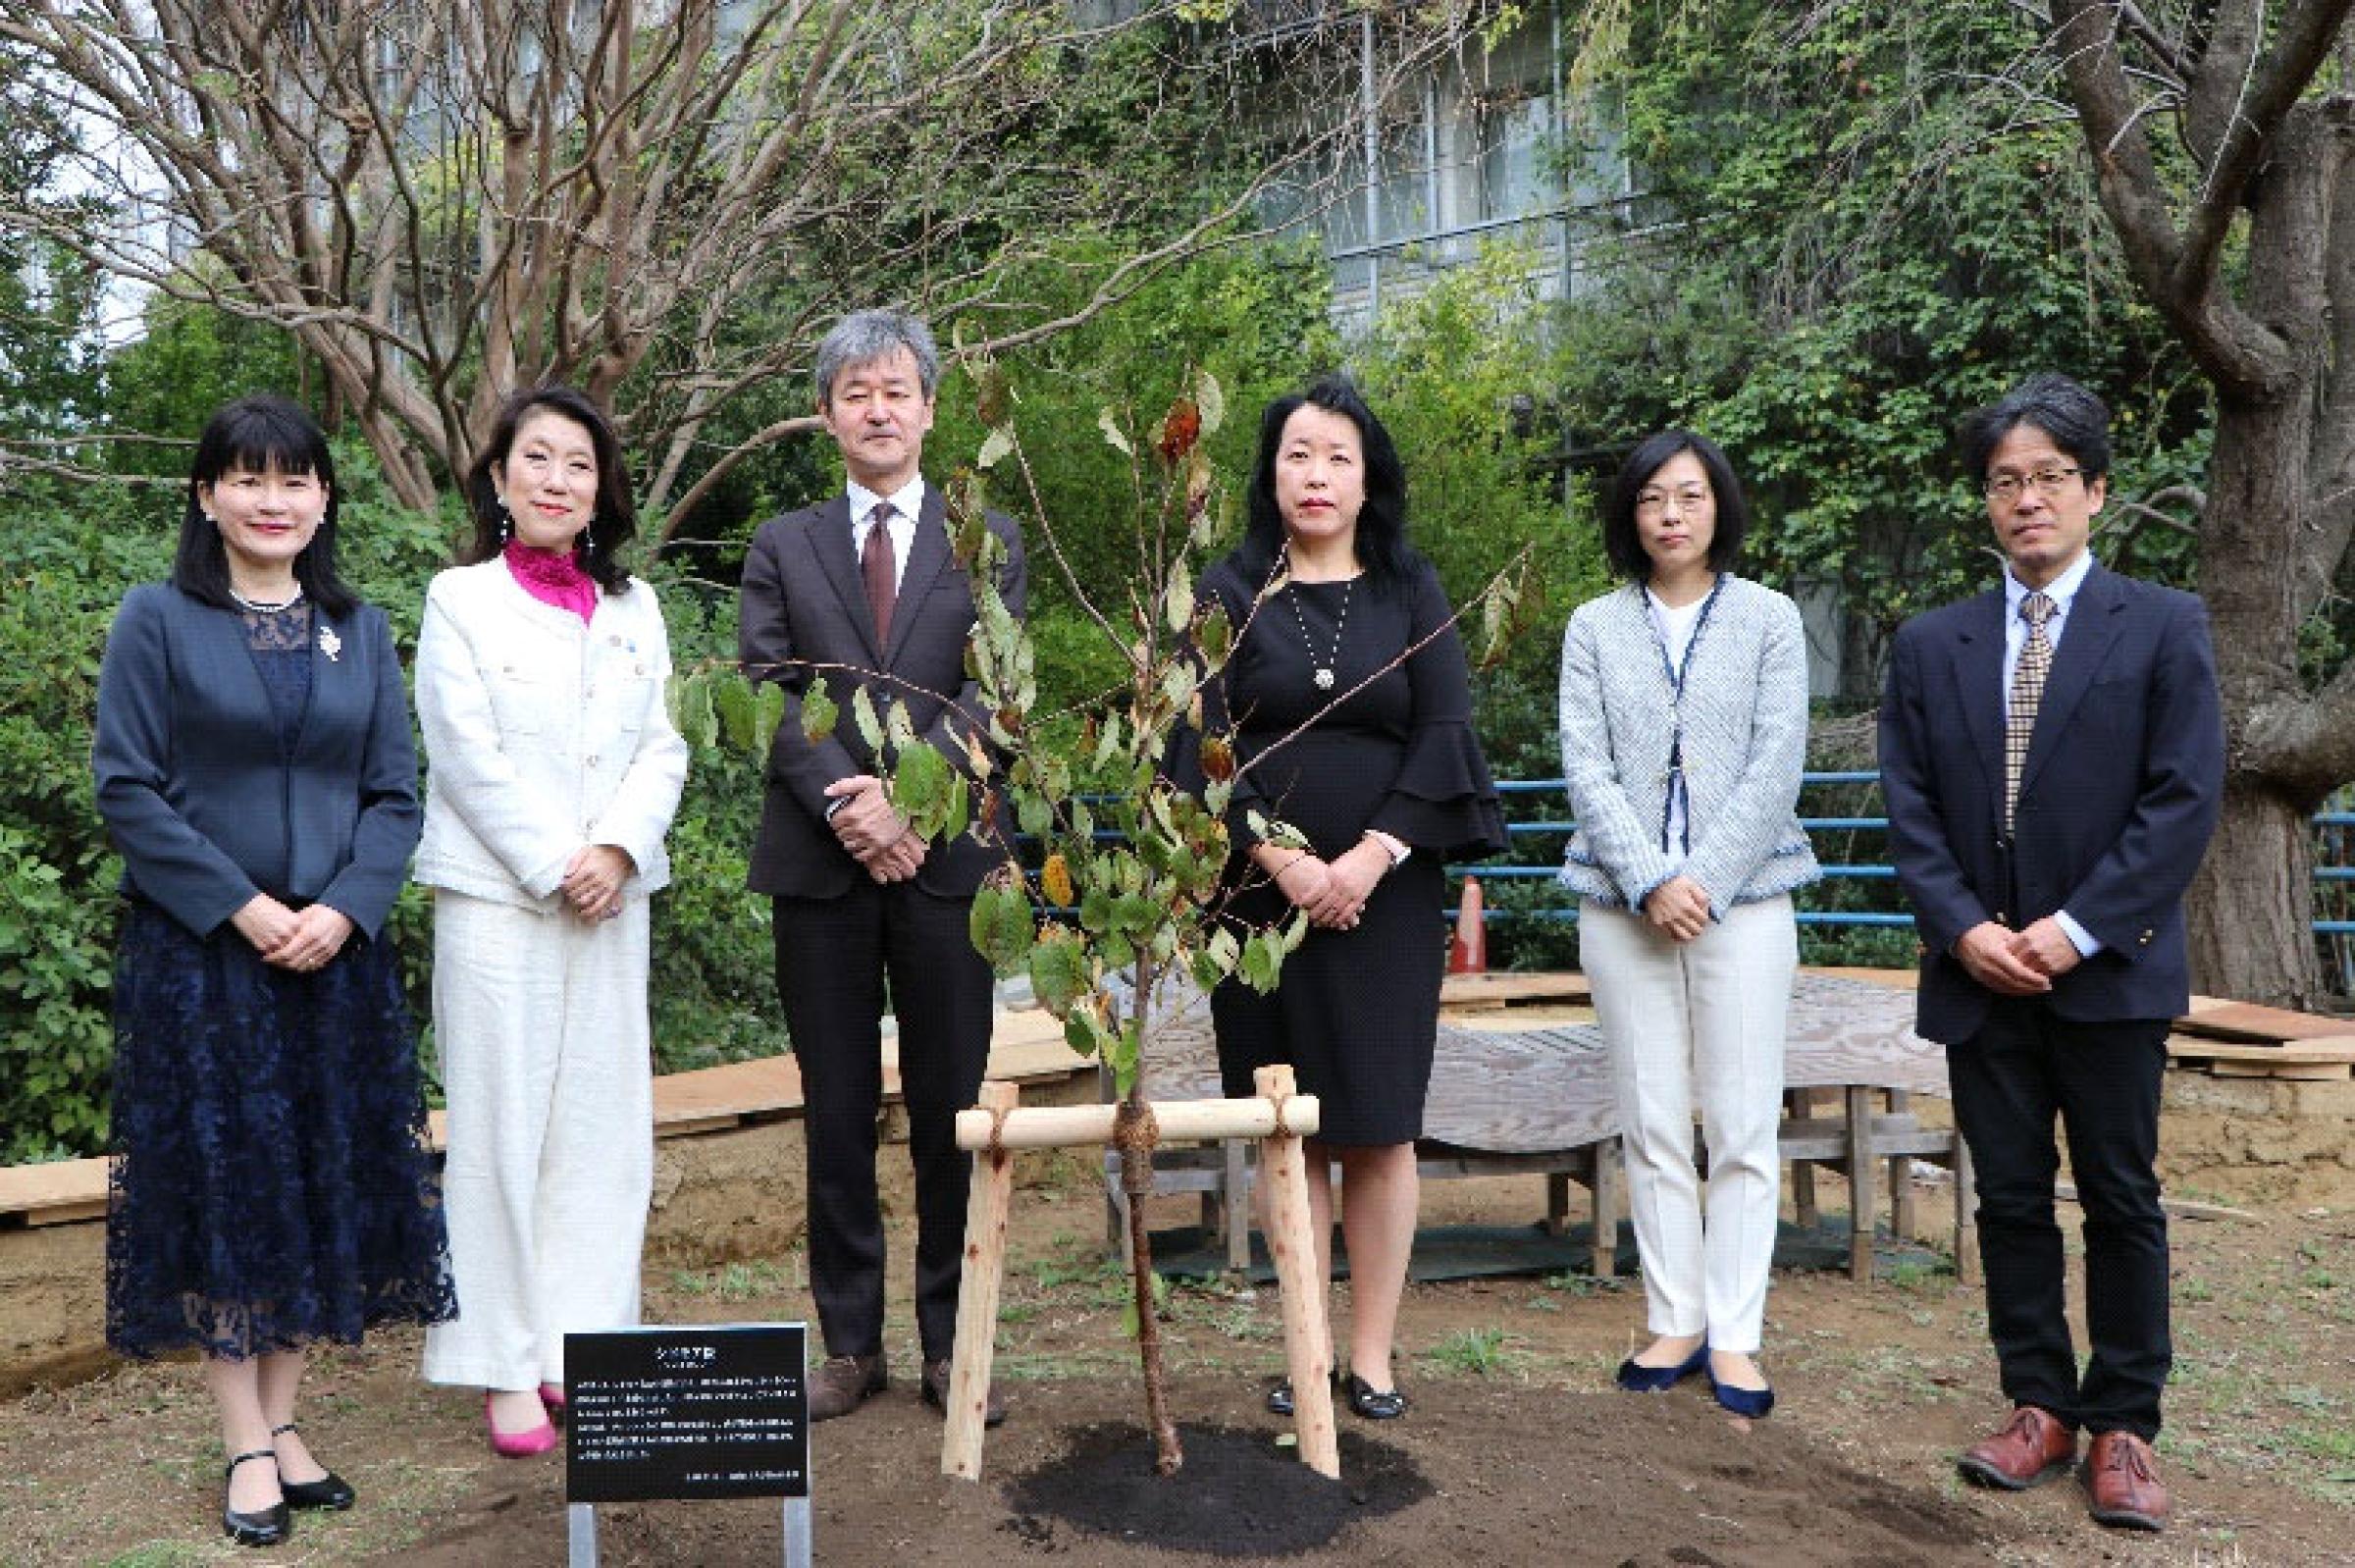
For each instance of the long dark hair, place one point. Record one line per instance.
(1381, 547)
(615, 521)
(1623, 542)
(259, 434)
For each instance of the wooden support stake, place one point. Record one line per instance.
(986, 1205)
(1800, 1105)
(1605, 1188)
(1900, 1176)
(1291, 1242)
(1863, 1180)
(1967, 1214)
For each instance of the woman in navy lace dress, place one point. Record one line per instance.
(256, 771)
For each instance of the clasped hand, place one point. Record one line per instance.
(292, 939)
(1333, 892)
(2013, 963)
(1677, 909)
(878, 837)
(593, 880)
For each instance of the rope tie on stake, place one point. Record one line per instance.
(1135, 1132)
(1283, 1129)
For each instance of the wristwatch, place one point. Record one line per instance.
(1398, 849)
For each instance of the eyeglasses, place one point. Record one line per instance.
(1655, 502)
(2050, 483)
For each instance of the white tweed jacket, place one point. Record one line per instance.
(1743, 724)
(542, 735)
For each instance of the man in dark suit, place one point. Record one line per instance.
(864, 591)
(2052, 756)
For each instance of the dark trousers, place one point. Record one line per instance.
(2011, 1079)
(833, 956)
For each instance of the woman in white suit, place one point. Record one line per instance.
(1684, 723)
(554, 770)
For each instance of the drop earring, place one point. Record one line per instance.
(588, 537)
(506, 524)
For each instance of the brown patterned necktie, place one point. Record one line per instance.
(2027, 695)
(879, 568)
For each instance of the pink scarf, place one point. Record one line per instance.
(552, 578)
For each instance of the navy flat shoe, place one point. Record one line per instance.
(1637, 1379)
(1750, 1403)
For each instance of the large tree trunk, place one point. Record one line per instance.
(2253, 900)
(2252, 903)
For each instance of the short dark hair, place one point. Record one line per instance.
(259, 434)
(615, 521)
(1623, 542)
(1381, 547)
(2068, 411)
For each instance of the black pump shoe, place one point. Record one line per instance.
(329, 1490)
(1279, 1398)
(1374, 1404)
(267, 1527)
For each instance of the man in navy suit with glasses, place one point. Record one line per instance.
(2052, 753)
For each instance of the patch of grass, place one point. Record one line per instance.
(737, 1282)
(1571, 1283)
(160, 1555)
(1478, 1351)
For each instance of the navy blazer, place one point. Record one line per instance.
(197, 796)
(2117, 802)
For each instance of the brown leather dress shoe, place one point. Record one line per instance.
(842, 1384)
(936, 1394)
(2124, 1483)
(2032, 1448)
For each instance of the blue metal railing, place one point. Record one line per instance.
(1834, 872)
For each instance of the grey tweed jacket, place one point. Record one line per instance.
(1745, 734)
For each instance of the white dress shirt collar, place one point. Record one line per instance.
(907, 502)
(2061, 589)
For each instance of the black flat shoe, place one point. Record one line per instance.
(1279, 1398)
(267, 1527)
(329, 1490)
(1374, 1404)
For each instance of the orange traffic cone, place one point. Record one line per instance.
(1468, 951)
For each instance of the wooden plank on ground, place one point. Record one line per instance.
(2335, 1048)
(54, 1193)
(1895, 980)
(1506, 987)
(2257, 1025)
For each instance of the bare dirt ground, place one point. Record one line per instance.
(1518, 1450)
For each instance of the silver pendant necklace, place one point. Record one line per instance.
(1323, 677)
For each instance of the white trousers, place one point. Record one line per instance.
(547, 1066)
(1699, 1021)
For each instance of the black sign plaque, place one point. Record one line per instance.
(721, 1411)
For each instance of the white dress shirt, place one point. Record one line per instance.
(907, 504)
(2063, 592)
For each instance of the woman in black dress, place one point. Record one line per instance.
(254, 768)
(1351, 713)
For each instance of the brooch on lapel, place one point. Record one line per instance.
(329, 642)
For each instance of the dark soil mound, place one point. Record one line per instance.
(1239, 1495)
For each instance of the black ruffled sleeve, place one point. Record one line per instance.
(1443, 799)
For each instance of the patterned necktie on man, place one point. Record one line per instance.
(2027, 695)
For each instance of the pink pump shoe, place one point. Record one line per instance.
(518, 1445)
(551, 1395)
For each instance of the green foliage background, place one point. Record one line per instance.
(1845, 240)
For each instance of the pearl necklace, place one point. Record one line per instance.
(259, 607)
